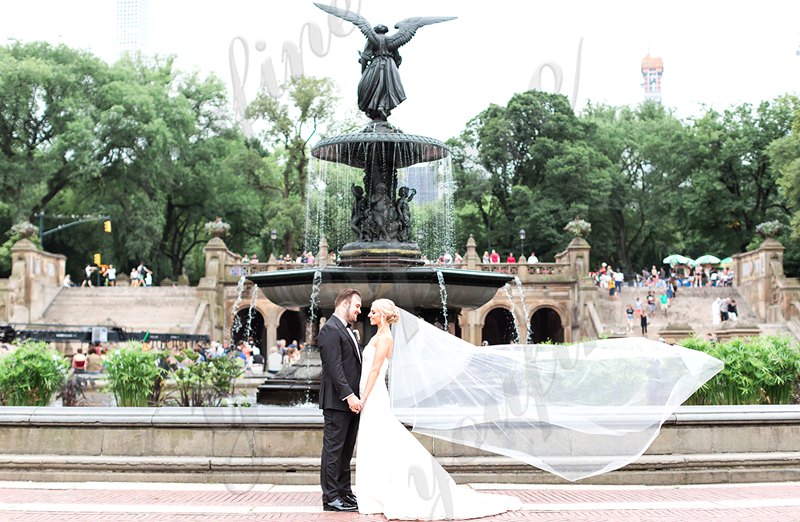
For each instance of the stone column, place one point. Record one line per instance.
(323, 256)
(770, 254)
(212, 286)
(471, 257)
(36, 278)
(577, 255)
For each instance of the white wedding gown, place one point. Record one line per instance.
(395, 474)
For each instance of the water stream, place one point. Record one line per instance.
(249, 329)
(528, 331)
(443, 295)
(235, 321)
(314, 301)
(507, 289)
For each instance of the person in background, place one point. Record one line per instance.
(733, 311)
(94, 363)
(79, 361)
(494, 257)
(87, 274)
(111, 275)
(533, 259)
(485, 258)
(629, 313)
(274, 359)
(619, 281)
(511, 258)
(67, 281)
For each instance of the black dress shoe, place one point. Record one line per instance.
(350, 499)
(338, 504)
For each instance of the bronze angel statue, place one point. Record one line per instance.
(380, 89)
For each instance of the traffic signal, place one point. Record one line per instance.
(107, 226)
(97, 260)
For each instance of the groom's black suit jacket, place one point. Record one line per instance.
(341, 365)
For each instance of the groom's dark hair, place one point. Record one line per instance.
(346, 295)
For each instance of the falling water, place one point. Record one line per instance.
(443, 295)
(518, 282)
(249, 330)
(314, 303)
(237, 323)
(432, 209)
(507, 289)
(329, 203)
(330, 199)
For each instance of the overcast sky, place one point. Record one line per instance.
(715, 53)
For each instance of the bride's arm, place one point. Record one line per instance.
(382, 346)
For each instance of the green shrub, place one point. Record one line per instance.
(134, 375)
(31, 374)
(761, 370)
(206, 383)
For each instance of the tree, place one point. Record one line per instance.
(47, 124)
(651, 153)
(533, 160)
(154, 148)
(290, 128)
(734, 186)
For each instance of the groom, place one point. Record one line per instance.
(338, 399)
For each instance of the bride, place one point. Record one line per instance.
(575, 410)
(395, 474)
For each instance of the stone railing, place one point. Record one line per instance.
(233, 271)
(526, 272)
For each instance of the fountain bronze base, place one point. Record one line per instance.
(380, 253)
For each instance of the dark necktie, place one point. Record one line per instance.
(353, 336)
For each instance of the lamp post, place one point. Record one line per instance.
(273, 235)
(521, 241)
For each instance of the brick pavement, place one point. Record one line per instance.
(122, 502)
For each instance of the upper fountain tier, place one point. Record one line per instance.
(380, 144)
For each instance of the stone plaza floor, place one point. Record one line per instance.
(118, 501)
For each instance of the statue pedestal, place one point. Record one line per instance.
(380, 253)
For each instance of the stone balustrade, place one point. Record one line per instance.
(525, 271)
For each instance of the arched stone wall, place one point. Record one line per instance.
(547, 313)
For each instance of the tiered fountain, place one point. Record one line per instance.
(383, 261)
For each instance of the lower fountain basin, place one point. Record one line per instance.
(413, 288)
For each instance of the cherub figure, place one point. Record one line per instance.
(380, 209)
(404, 195)
(357, 214)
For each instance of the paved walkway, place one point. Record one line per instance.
(120, 502)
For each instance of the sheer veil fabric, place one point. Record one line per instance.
(398, 477)
(575, 411)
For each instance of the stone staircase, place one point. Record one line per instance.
(158, 309)
(692, 306)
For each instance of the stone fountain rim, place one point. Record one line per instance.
(365, 275)
(378, 137)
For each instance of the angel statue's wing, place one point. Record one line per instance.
(354, 18)
(409, 26)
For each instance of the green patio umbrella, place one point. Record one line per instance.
(728, 261)
(677, 259)
(707, 259)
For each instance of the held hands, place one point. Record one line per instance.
(355, 404)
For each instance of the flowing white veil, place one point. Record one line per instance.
(576, 411)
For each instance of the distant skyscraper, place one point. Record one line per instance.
(131, 26)
(652, 70)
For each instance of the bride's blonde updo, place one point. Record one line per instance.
(387, 309)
